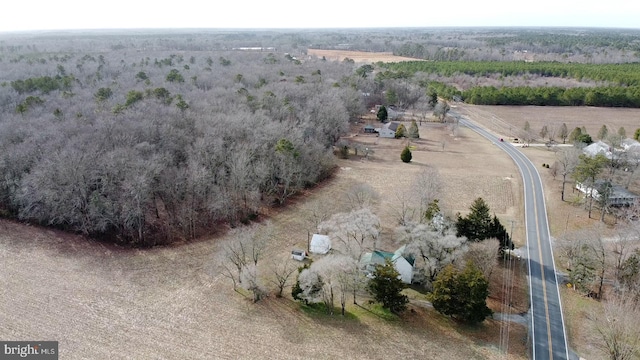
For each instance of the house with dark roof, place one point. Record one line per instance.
(618, 195)
(403, 263)
(388, 130)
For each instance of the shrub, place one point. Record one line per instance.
(406, 156)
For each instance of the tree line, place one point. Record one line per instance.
(621, 82)
(153, 147)
(627, 74)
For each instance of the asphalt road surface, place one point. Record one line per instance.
(547, 322)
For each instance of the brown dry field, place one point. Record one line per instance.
(358, 56)
(102, 301)
(509, 120)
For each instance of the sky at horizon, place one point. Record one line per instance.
(145, 14)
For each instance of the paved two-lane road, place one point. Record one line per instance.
(547, 322)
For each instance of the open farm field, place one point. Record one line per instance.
(103, 301)
(358, 56)
(507, 121)
(510, 120)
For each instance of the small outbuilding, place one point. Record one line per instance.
(320, 244)
(297, 254)
(369, 129)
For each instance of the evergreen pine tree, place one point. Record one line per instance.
(461, 294)
(386, 288)
(476, 226)
(575, 134)
(414, 132)
(382, 114)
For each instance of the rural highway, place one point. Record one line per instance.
(547, 322)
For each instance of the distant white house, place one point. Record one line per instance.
(618, 196)
(629, 149)
(598, 147)
(388, 130)
(320, 244)
(629, 144)
(403, 263)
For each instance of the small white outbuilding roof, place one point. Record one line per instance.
(320, 244)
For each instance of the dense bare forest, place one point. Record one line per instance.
(139, 140)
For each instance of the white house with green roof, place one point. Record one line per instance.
(402, 262)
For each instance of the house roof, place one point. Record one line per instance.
(400, 253)
(379, 257)
(320, 243)
(617, 191)
(598, 148)
(375, 257)
(629, 143)
(393, 126)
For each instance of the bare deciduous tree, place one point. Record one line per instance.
(245, 249)
(336, 272)
(588, 260)
(427, 187)
(361, 196)
(441, 110)
(433, 250)
(251, 281)
(483, 255)
(353, 233)
(618, 328)
(282, 272)
(316, 213)
(412, 202)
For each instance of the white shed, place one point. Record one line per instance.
(297, 254)
(320, 244)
